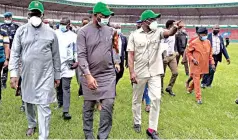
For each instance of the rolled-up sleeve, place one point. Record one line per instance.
(15, 55)
(6, 39)
(56, 58)
(82, 53)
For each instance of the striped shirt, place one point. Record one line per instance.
(4, 39)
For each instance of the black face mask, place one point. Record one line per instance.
(215, 32)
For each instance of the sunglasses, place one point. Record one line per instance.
(34, 14)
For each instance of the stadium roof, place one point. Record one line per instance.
(175, 10)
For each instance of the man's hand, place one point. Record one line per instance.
(14, 82)
(133, 77)
(213, 67)
(179, 23)
(117, 67)
(195, 62)
(75, 65)
(92, 83)
(57, 83)
(5, 64)
(228, 61)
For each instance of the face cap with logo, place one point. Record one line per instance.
(148, 14)
(36, 5)
(103, 9)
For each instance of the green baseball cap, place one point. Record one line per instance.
(103, 9)
(147, 14)
(36, 5)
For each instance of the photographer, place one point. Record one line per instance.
(68, 55)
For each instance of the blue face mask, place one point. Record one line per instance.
(203, 38)
(63, 28)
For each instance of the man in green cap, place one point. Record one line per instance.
(146, 66)
(97, 58)
(37, 45)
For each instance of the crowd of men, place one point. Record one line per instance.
(98, 55)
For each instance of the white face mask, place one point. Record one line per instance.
(153, 25)
(35, 21)
(118, 31)
(183, 30)
(104, 21)
(8, 21)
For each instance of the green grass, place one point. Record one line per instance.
(180, 116)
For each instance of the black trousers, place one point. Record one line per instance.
(80, 92)
(60, 93)
(4, 76)
(105, 123)
(1, 66)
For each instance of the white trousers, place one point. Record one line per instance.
(154, 92)
(44, 113)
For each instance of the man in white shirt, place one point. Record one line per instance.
(170, 60)
(218, 48)
(67, 40)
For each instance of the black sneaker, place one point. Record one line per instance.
(4, 86)
(153, 135)
(22, 108)
(66, 116)
(30, 131)
(170, 92)
(59, 105)
(203, 86)
(236, 101)
(137, 128)
(199, 102)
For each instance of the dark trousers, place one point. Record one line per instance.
(19, 90)
(63, 93)
(4, 76)
(119, 75)
(1, 65)
(105, 124)
(185, 64)
(80, 92)
(208, 78)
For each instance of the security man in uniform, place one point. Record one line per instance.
(11, 28)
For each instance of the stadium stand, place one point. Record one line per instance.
(193, 15)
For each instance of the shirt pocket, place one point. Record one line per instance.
(45, 46)
(155, 44)
(140, 47)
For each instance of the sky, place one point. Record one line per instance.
(156, 2)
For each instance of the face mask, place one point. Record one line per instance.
(203, 38)
(153, 25)
(104, 21)
(215, 32)
(35, 21)
(118, 31)
(63, 28)
(183, 30)
(8, 21)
